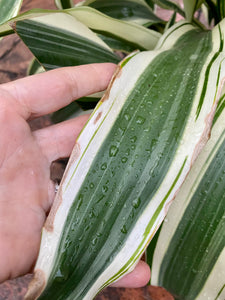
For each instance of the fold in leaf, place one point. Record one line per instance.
(58, 40)
(189, 259)
(129, 163)
(117, 44)
(130, 10)
(134, 34)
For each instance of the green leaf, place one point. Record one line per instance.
(129, 162)
(87, 103)
(63, 4)
(34, 68)
(58, 40)
(213, 12)
(171, 21)
(150, 3)
(127, 36)
(220, 108)
(189, 259)
(151, 249)
(129, 10)
(131, 33)
(70, 111)
(170, 5)
(6, 28)
(118, 44)
(221, 8)
(9, 9)
(190, 6)
(76, 108)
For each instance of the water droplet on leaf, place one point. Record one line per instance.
(136, 203)
(127, 117)
(104, 189)
(91, 185)
(133, 139)
(124, 160)
(113, 151)
(104, 166)
(124, 229)
(140, 120)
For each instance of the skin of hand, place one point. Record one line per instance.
(26, 191)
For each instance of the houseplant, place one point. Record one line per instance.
(40, 25)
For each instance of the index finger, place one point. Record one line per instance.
(47, 92)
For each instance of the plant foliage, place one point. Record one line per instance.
(157, 119)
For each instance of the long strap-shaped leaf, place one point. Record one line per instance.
(58, 40)
(137, 11)
(189, 259)
(129, 162)
(141, 37)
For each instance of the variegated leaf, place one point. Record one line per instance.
(140, 37)
(137, 11)
(129, 163)
(62, 29)
(58, 39)
(189, 259)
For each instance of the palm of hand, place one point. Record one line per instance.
(26, 191)
(26, 194)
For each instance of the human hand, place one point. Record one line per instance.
(26, 191)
